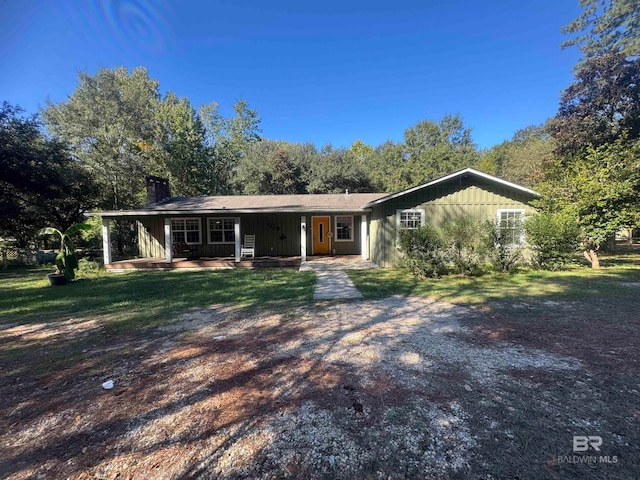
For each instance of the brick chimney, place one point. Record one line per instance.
(157, 189)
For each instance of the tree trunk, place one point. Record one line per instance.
(592, 258)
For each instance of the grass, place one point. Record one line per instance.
(573, 284)
(129, 301)
(126, 303)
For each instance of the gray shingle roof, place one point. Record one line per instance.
(338, 202)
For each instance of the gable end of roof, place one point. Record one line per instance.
(460, 173)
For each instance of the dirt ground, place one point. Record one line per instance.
(403, 387)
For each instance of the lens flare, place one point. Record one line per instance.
(136, 24)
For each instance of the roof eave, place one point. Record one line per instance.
(159, 212)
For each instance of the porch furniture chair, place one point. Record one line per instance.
(249, 246)
(182, 249)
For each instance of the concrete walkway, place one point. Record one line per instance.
(334, 284)
(332, 281)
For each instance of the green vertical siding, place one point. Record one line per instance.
(151, 237)
(376, 237)
(478, 199)
(276, 234)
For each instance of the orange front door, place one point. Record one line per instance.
(321, 241)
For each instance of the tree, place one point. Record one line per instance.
(182, 152)
(389, 168)
(520, 160)
(337, 170)
(599, 190)
(489, 160)
(39, 181)
(430, 150)
(594, 178)
(282, 176)
(228, 141)
(436, 149)
(66, 260)
(361, 151)
(601, 104)
(109, 123)
(254, 173)
(605, 27)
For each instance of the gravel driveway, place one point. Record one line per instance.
(372, 388)
(357, 389)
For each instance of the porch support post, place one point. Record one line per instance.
(303, 238)
(364, 238)
(168, 247)
(106, 240)
(236, 230)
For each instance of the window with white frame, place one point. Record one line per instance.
(222, 230)
(511, 224)
(409, 219)
(185, 230)
(344, 228)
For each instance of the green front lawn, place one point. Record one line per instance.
(574, 284)
(128, 301)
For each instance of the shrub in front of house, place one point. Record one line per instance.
(553, 238)
(464, 250)
(501, 246)
(464, 246)
(424, 251)
(86, 265)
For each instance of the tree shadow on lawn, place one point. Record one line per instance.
(238, 388)
(140, 298)
(526, 286)
(594, 319)
(212, 393)
(58, 323)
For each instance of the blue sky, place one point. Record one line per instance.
(325, 72)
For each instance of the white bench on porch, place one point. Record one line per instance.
(249, 246)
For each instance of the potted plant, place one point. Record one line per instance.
(66, 260)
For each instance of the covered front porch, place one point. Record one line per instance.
(206, 263)
(199, 241)
(316, 263)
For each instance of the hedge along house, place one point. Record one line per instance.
(209, 231)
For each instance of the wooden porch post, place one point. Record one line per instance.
(168, 244)
(106, 240)
(236, 229)
(364, 238)
(303, 238)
